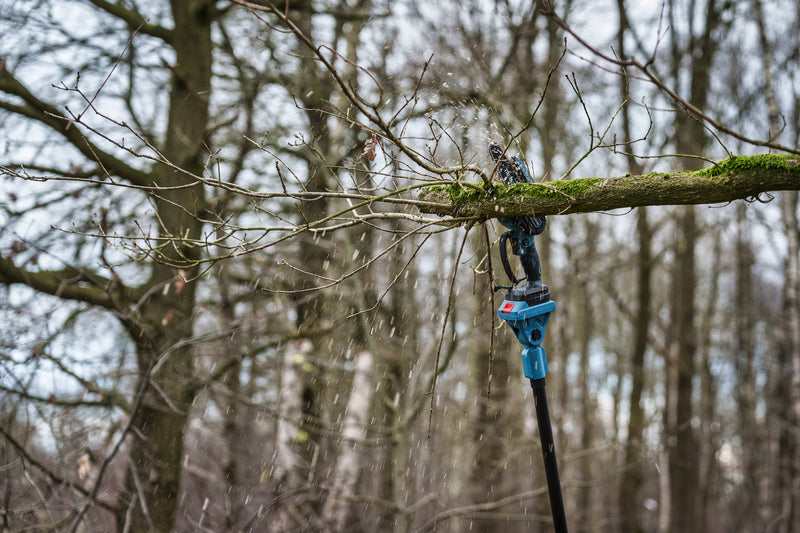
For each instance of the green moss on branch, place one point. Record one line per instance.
(740, 177)
(751, 164)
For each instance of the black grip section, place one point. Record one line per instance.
(531, 265)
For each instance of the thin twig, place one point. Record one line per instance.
(491, 308)
(444, 327)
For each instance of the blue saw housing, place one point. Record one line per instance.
(528, 322)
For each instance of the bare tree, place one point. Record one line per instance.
(253, 194)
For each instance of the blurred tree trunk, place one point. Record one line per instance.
(585, 326)
(350, 459)
(323, 154)
(397, 473)
(744, 324)
(394, 370)
(231, 456)
(165, 364)
(708, 442)
(313, 90)
(630, 484)
(788, 485)
(340, 510)
(495, 425)
(394, 469)
(633, 458)
(288, 463)
(748, 517)
(789, 362)
(664, 482)
(683, 454)
(690, 139)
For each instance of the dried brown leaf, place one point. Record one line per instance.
(370, 147)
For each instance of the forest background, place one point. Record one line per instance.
(226, 306)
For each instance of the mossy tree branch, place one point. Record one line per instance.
(740, 177)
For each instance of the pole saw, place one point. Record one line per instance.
(526, 308)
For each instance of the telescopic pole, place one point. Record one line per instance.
(549, 454)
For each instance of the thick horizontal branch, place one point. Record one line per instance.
(50, 116)
(741, 177)
(134, 19)
(106, 400)
(69, 283)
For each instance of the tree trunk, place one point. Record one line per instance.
(683, 453)
(584, 325)
(166, 366)
(691, 138)
(708, 441)
(348, 465)
(394, 464)
(664, 481)
(632, 474)
(288, 462)
(491, 428)
(232, 434)
(396, 396)
(315, 90)
(789, 354)
(748, 508)
(788, 483)
(630, 485)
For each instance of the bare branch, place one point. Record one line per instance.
(49, 115)
(650, 76)
(134, 19)
(69, 283)
(23, 452)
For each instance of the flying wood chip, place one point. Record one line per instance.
(180, 283)
(84, 466)
(369, 147)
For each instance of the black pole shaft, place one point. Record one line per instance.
(549, 454)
